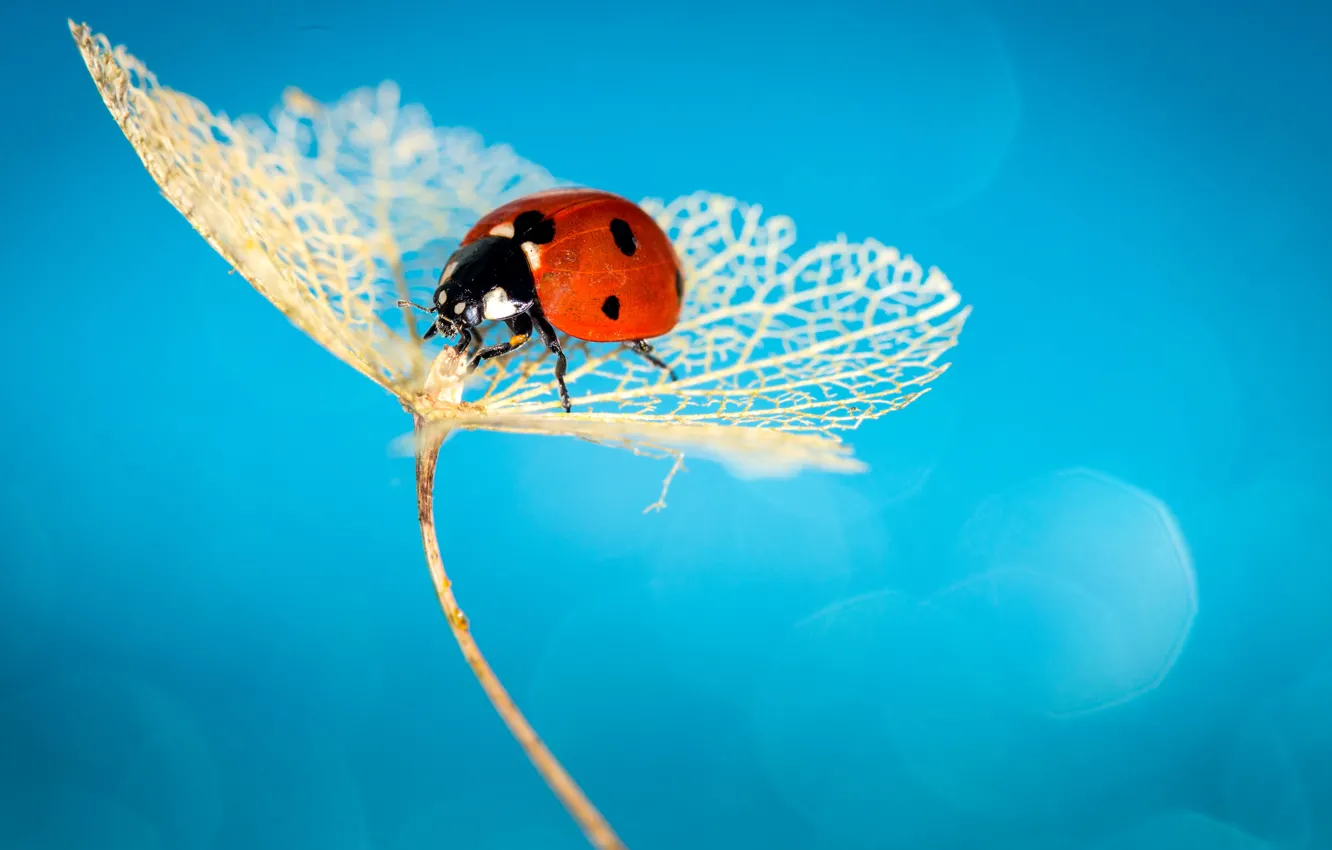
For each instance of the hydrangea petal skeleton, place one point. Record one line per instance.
(337, 212)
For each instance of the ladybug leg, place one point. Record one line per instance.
(520, 325)
(552, 341)
(465, 339)
(641, 347)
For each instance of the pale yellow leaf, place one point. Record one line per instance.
(334, 212)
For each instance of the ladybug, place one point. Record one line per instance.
(585, 262)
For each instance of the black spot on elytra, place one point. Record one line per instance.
(533, 226)
(679, 286)
(611, 307)
(624, 237)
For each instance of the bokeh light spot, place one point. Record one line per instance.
(1180, 830)
(821, 716)
(133, 747)
(1095, 593)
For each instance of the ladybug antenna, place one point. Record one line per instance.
(417, 306)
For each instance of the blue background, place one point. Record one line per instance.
(216, 628)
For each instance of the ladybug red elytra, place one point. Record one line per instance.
(586, 262)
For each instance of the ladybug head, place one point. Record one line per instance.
(486, 280)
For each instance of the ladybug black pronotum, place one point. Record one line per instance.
(582, 261)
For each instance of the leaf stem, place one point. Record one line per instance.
(591, 821)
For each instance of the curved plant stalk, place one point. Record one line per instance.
(591, 821)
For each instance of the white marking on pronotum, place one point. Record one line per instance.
(448, 272)
(496, 305)
(442, 298)
(459, 307)
(505, 229)
(533, 255)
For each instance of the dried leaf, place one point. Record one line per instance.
(335, 212)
